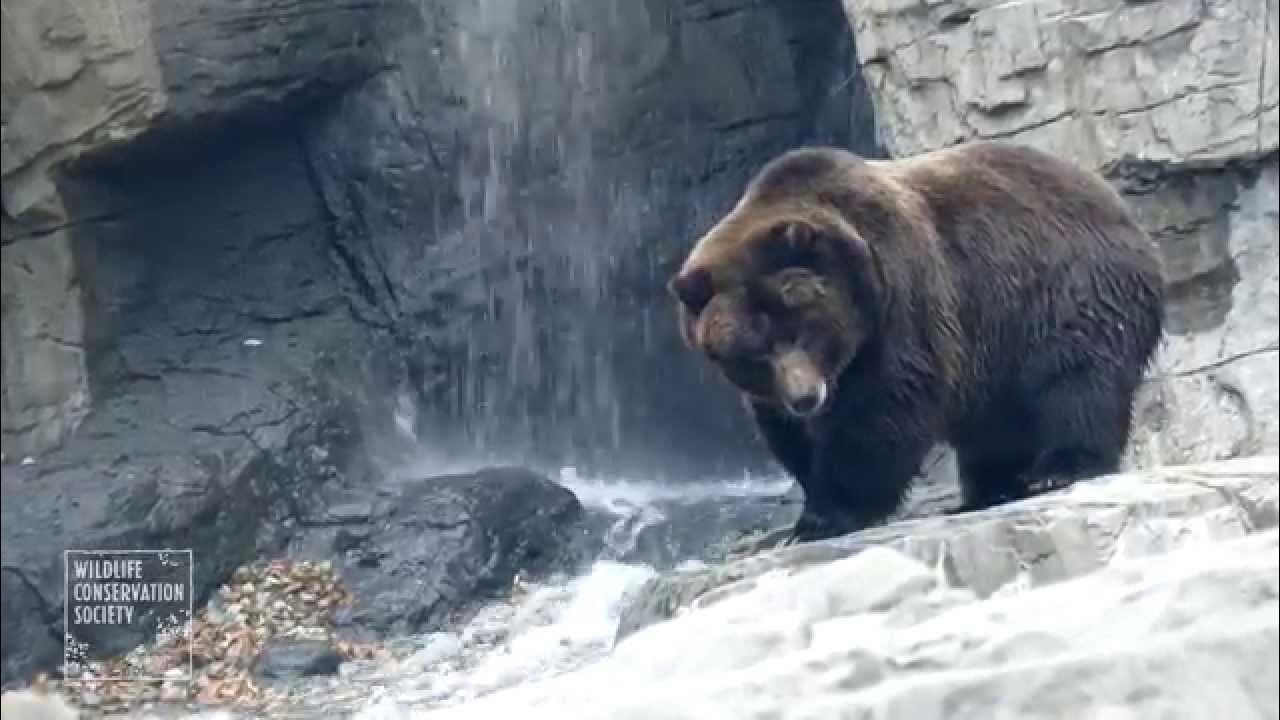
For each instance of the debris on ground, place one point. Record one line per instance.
(279, 599)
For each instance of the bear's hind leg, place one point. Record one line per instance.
(1083, 420)
(987, 481)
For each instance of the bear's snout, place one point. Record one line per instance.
(802, 389)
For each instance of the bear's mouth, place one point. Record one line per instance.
(802, 389)
(807, 405)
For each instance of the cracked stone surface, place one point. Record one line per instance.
(1176, 103)
(1213, 392)
(1184, 82)
(45, 393)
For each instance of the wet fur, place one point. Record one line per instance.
(999, 299)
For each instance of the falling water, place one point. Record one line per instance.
(537, 370)
(589, 150)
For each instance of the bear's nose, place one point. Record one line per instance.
(801, 387)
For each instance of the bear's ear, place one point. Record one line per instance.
(693, 289)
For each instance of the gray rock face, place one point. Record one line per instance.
(161, 504)
(45, 393)
(1151, 594)
(112, 77)
(1214, 391)
(1180, 83)
(1176, 102)
(81, 78)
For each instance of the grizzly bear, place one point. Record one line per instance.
(988, 296)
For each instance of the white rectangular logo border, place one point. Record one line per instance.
(191, 616)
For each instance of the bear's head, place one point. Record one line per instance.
(776, 295)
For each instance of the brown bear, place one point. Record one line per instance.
(989, 296)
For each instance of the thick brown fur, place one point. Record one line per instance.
(988, 295)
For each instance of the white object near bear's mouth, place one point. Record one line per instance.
(808, 405)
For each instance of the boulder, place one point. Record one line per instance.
(416, 553)
(291, 658)
(663, 532)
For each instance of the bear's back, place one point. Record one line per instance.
(1038, 250)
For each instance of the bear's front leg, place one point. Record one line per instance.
(786, 437)
(864, 460)
(788, 441)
